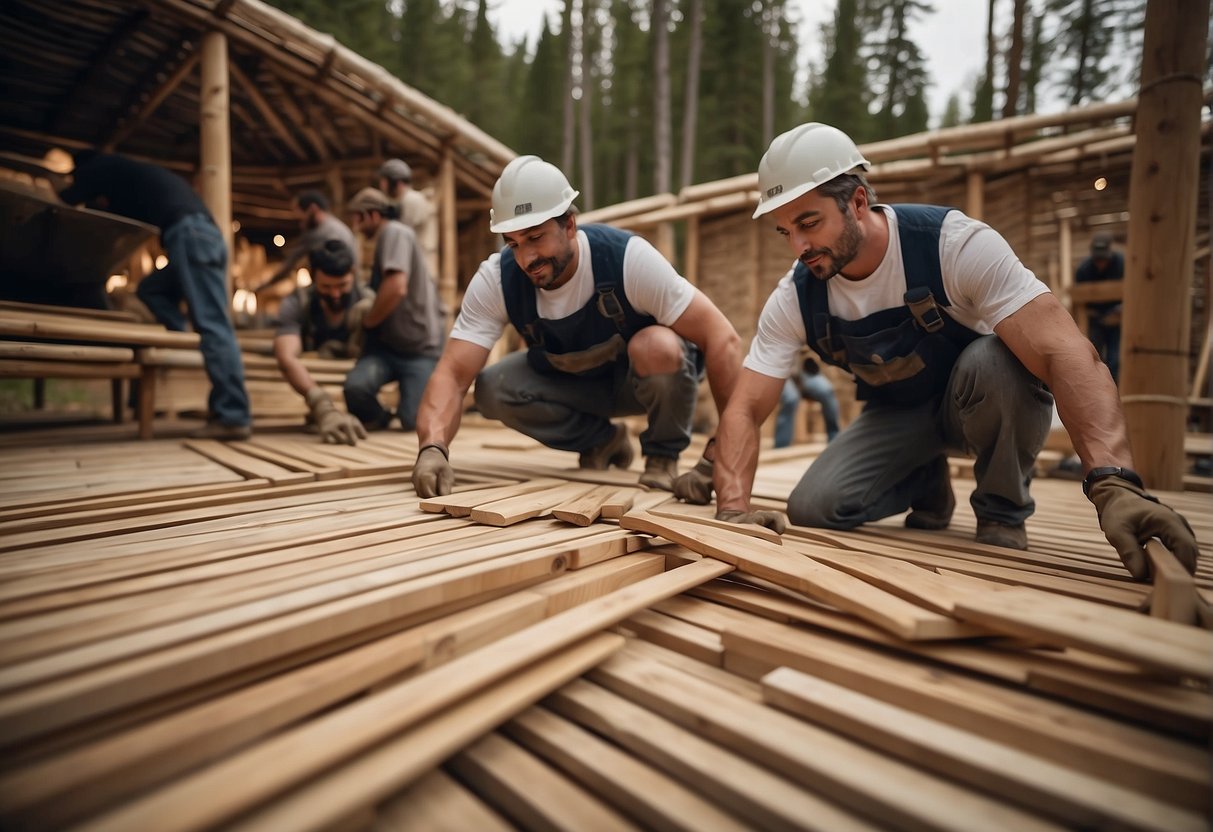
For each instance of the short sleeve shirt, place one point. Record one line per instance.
(415, 326)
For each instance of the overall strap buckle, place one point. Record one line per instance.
(922, 306)
(610, 307)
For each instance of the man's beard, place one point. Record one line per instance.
(557, 264)
(335, 305)
(840, 255)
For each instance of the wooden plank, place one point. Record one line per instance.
(620, 503)
(585, 509)
(530, 792)
(221, 791)
(802, 574)
(40, 325)
(65, 352)
(894, 794)
(437, 803)
(525, 506)
(245, 465)
(124, 500)
(28, 368)
(577, 587)
(1174, 597)
(460, 504)
(688, 639)
(1023, 778)
(1151, 642)
(751, 529)
(290, 463)
(751, 792)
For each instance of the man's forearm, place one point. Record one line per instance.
(441, 411)
(723, 363)
(1089, 407)
(389, 294)
(736, 461)
(296, 375)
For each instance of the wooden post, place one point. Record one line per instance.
(448, 233)
(975, 196)
(216, 144)
(691, 260)
(336, 190)
(665, 241)
(1162, 225)
(1065, 260)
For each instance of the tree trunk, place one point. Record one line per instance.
(768, 73)
(570, 56)
(661, 97)
(1086, 21)
(586, 136)
(690, 110)
(1010, 107)
(1163, 187)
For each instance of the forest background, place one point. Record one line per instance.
(634, 97)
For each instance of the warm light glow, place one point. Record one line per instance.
(115, 281)
(58, 160)
(1101, 183)
(303, 278)
(235, 226)
(145, 261)
(161, 261)
(244, 301)
(279, 240)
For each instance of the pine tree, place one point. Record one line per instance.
(951, 112)
(983, 95)
(1083, 38)
(897, 66)
(840, 94)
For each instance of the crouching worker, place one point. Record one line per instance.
(611, 330)
(324, 317)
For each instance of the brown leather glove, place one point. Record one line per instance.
(695, 486)
(433, 475)
(1129, 517)
(773, 520)
(336, 428)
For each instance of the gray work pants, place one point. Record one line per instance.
(572, 413)
(993, 409)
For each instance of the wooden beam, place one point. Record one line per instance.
(266, 111)
(448, 234)
(975, 184)
(216, 139)
(154, 100)
(83, 84)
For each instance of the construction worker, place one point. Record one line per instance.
(403, 327)
(1103, 319)
(808, 384)
(952, 342)
(611, 329)
(324, 317)
(317, 226)
(413, 208)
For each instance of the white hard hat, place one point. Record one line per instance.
(801, 159)
(529, 192)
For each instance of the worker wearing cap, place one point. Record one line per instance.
(1103, 319)
(404, 326)
(951, 341)
(413, 208)
(611, 329)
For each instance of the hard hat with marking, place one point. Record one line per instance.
(529, 192)
(802, 159)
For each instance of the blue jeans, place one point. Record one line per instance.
(572, 413)
(816, 388)
(1106, 338)
(377, 368)
(196, 273)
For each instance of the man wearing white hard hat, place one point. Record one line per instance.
(611, 329)
(953, 343)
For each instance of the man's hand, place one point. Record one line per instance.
(1129, 517)
(773, 520)
(353, 320)
(695, 486)
(336, 428)
(432, 473)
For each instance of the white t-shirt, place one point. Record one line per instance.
(650, 283)
(984, 281)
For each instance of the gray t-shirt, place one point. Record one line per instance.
(415, 327)
(329, 228)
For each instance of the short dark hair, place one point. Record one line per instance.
(85, 155)
(307, 199)
(332, 257)
(810, 366)
(842, 187)
(563, 219)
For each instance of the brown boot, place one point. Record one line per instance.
(932, 508)
(615, 451)
(659, 472)
(1000, 534)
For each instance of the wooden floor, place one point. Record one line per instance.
(277, 634)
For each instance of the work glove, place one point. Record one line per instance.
(1129, 517)
(773, 520)
(433, 475)
(336, 428)
(695, 486)
(353, 322)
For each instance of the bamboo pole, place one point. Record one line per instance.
(448, 231)
(1065, 253)
(154, 100)
(216, 139)
(1162, 221)
(691, 257)
(975, 193)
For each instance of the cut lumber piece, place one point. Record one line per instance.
(246, 465)
(64, 352)
(679, 636)
(367, 779)
(892, 793)
(54, 368)
(619, 503)
(460, 504)
(751, 529)
(218, 793)
(437, 803)
(577, 587)
(529, 791)
(802, 574)
(1150, 642)
(104, 772)
(1032, 781)
(65, 327)
(720, 678)
(748, 791)
(641, 791)
(525, 506)
(290, 463)
(1135, 759)
(584, 510)
(1174, 597)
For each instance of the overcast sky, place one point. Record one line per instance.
(953, 38)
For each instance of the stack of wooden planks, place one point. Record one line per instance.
(278, 634)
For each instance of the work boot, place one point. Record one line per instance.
(1000, 534)
(615, 451)
(933, 506)
(218, 430)
(659, 472)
